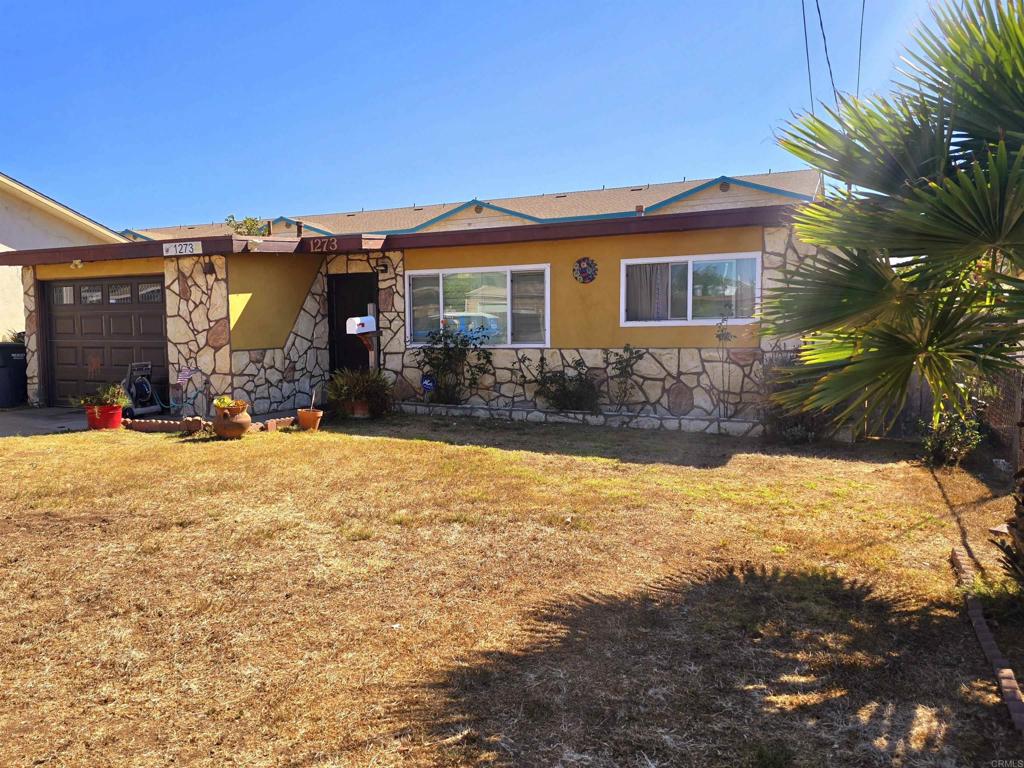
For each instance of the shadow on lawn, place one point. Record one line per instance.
(739, 667)
(637, 446)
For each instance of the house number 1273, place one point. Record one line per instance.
(323, 245)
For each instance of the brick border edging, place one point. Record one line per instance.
(1008, 688)
(193, 424)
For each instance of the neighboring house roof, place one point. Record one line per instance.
(175, 233)
(614, 202)
(37, 199)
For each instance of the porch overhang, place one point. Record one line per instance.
(215, 245)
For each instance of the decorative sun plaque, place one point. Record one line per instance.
(584, 270)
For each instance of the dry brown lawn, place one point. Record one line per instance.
(419, 592)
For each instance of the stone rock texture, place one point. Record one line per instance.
(735, 427)
(711, 385)
(28, 285)
(197, 318)
(284, 378)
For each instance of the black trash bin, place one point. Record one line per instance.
(13, 378)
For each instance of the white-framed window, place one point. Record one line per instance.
(511, 305)
(690, 290)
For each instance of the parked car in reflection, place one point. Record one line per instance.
(473, 321)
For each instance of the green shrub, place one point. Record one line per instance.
(349, 385)
(791, 428)
(567, 389)
(781, 424)
(1003, 599)
(455, 360)
(621, 365)
(112, 394)
(952, 439)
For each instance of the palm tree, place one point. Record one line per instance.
(921, 238)
(923, 232)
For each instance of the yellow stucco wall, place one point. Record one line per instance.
(587, 316)
(265, 294)
(114, 268)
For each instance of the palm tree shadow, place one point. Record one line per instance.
(724, 669)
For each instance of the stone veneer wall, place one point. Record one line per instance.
(283, 378)
(28, 284)
(198, 329)
(703, 387)
(736, 427)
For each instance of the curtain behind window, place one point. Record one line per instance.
(647, 292)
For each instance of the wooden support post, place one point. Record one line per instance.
(371, 311)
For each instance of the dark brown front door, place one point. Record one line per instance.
(97, 327)
(347, 296)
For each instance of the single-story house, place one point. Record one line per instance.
(566, 275)
(30, 219)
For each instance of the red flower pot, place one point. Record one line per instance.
(103, 416)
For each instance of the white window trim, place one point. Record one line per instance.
(509, 269)
(624, 323)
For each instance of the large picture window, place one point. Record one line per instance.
(691, 290)
(509, 305)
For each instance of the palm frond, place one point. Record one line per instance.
(951, 224)
(841, 288)
(875, 144)
(954, 337)
(972, 59)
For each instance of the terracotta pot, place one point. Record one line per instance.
(309, 418)
(103, 416)
(359, 409)
(233, 422)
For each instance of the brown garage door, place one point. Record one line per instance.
(98, 327)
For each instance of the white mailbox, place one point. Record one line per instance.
(366, 324)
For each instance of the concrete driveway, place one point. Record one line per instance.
(41, 421)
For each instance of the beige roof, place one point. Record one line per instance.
(556, 205)
(185, 230)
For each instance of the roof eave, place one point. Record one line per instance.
(38, 200)
(768, 215)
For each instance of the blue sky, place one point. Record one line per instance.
(146, 114)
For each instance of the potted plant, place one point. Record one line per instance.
(360, 394)
(232, 419)
(103, 409)
(309, 418)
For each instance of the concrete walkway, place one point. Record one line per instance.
(41, 421)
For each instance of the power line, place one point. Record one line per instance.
(828, 60)
(807, 54)
(860, 45)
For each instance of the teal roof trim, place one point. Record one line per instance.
(133, 233)
(305, 225)
(458, 209)
(738, 182)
